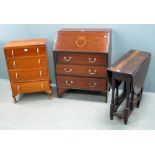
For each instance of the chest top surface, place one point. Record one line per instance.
(130, 62)
(24, 43)
(83, 40)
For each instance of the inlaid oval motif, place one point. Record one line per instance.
(81, 41)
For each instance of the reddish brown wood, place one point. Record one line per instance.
(27, 66)
(24, 74)
(92, 84)
(132, 70)
(78, 40)
(79, 70)
(81, 57)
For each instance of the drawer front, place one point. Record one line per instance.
(26, 63)
(30, 87)
(77, 70)
(25, 52)
(85, 59)
(82, 83)
(29, 75)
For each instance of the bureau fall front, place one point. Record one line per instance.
(81, 58)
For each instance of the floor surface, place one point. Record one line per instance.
(75, 111)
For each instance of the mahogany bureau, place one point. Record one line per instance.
(130, 70)
(27, 66)
(81, 58)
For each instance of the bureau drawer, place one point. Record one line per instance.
(77, 70)
(82, 83)
(25, 52)
(30, 87)
(26, 63)
(28, 75)
(85, 59)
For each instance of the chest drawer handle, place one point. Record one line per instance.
(42, 86)
(68, 70)
(92, 60)
(17, 76)
(12, 53)
(39, 61)
(92, 72)
(25, 50)
(14, 64)
(69, 82)
(92, 85)
(38, 51)
(18, 88)
(67, 59)
(40, 72)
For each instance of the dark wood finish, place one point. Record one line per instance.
(75, 70)
(27, 66)
(131, 69)
(93, 84)
(81, 58)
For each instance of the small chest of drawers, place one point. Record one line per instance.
(27, 66)
(81, 58)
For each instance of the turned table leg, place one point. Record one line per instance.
(126, 111)
(140, 95)
(113, 99)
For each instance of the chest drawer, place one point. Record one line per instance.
(78, 70)
(82, 83)
(28, 75)
(82, 59)
(26, 63)
(25, 52)
(30, 86)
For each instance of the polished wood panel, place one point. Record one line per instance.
(84, 83)
(82, 40)
(27, 87)
(130, 70)
(26, 62)
(25, 52)
(29, 74)
(89, 71)
(82, 59)
(82, 56)
(27, 66)
(25, 43)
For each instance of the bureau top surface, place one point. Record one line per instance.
(23, 43)
(130, 62)
(85, 30)
(83, 40)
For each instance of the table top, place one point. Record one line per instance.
(130, 62)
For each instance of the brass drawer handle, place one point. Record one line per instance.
(39, 61)
(18, 88)
(92, 84)
(92, 60)
(42, 86)
(92, 72)
(69, 82)
(67, 59)
(17, 76)
(25, 50)
(40, 72)
(67, 70)
(14, 64)
(38, 51)
(12, 53)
